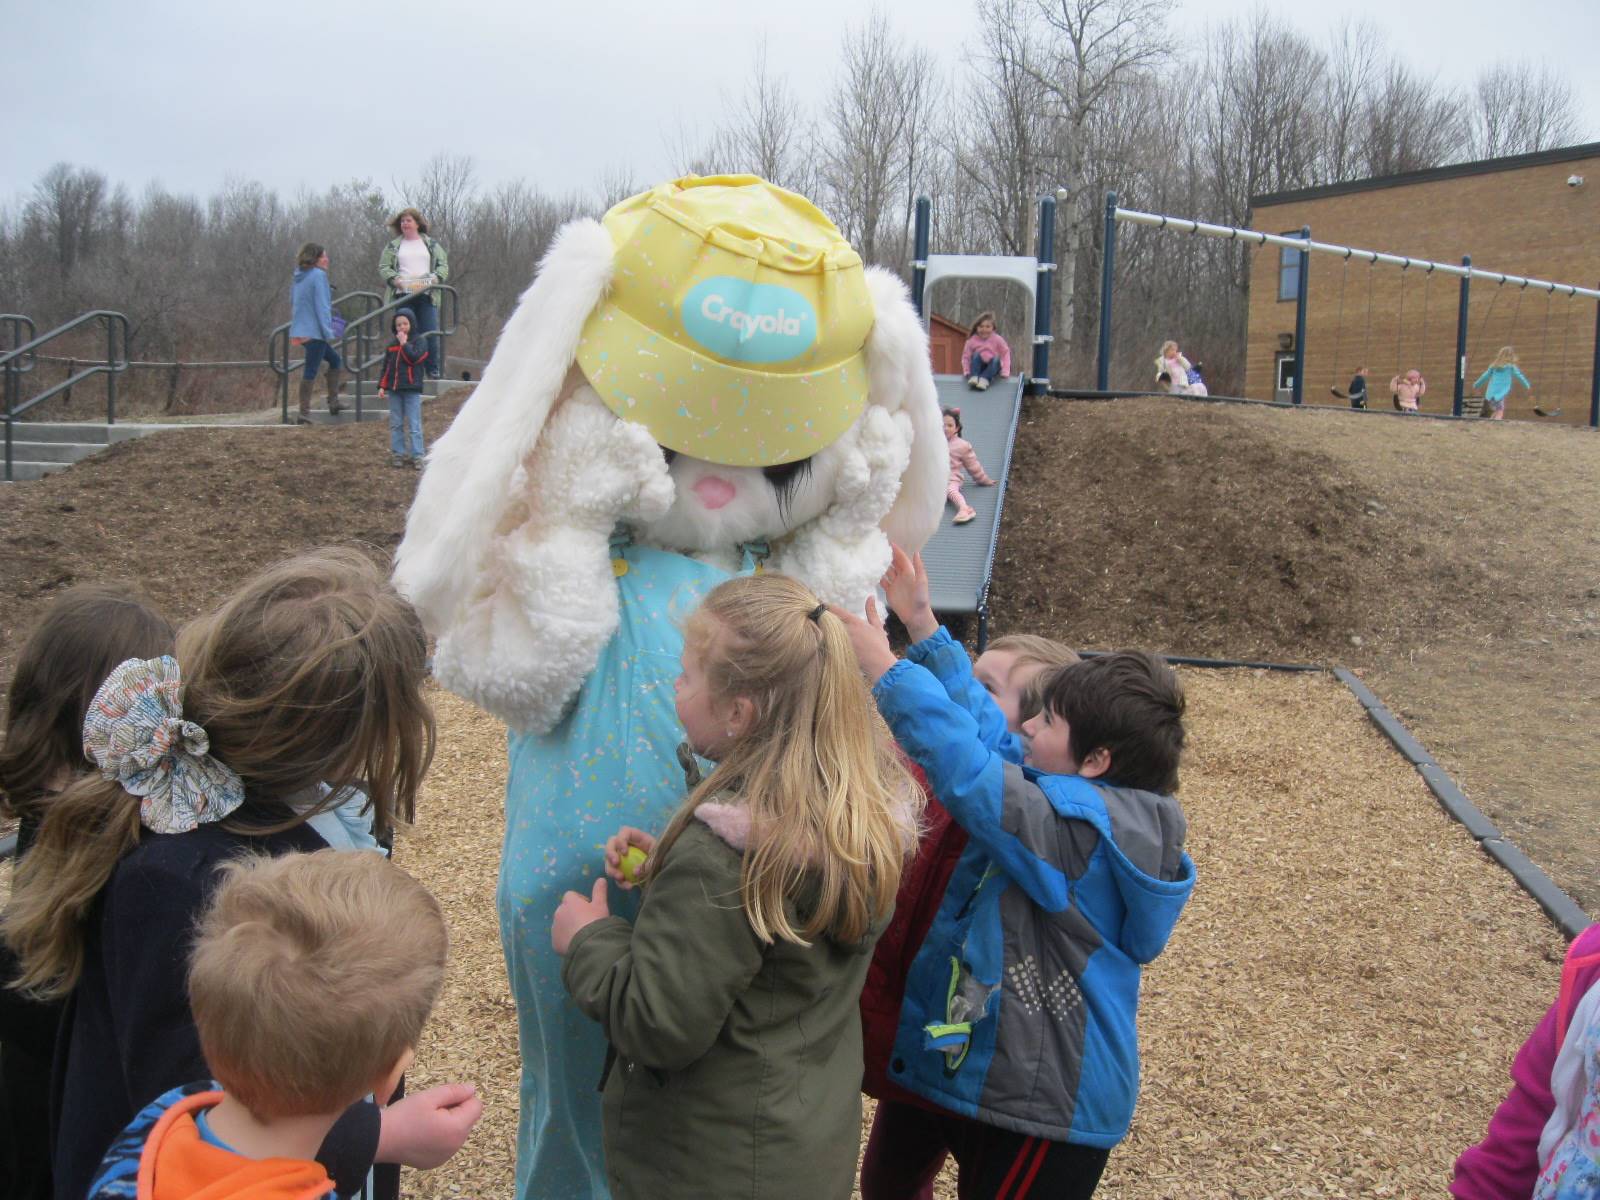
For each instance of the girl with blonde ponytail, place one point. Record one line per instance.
(731, 1003)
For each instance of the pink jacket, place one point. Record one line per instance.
(1506, 1162)
(963, 455)
(993, 346)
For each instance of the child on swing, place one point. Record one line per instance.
(1502, 374)
(731, 1002)
(1408, 390)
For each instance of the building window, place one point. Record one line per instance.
(1285, 373)
(1289, 270)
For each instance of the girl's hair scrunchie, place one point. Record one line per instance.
(136, 733)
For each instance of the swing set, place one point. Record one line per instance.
(1551, 402)
(1422, 338)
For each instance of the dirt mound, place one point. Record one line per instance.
(1456, 563)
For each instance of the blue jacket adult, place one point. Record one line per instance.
(1020, 1007)
(311, 314)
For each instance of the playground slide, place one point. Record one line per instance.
(960, 558)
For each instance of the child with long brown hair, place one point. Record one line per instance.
(310, 672)
(77, 642)
(730, 1003)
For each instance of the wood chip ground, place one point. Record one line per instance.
(1334, 1016)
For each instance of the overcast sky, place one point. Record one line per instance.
(300, 94)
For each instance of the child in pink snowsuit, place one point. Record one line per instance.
(962, 455)
(1543, 1133)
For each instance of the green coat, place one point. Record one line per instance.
(737, 1065)
(389, 265)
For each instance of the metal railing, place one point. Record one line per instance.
(364, 341)
(18, 361)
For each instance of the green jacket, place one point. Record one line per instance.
(389, 265)
(737, 1066)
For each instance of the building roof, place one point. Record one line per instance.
(1514, 162)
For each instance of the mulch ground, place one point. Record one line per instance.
(1339, 1004)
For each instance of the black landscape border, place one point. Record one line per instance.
(1565, 912)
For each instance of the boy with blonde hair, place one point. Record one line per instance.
(311, 980)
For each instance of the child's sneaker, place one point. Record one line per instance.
(415, 463)
(397, 460)
(974, 382)
(983, 385)
(965, 515)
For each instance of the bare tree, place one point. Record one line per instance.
(1518, 108)
(65, 211)
(878, 129)
(1354, 63)
(1412, 123)
(1090, 50)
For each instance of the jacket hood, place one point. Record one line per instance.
(301, 272)
(1153, 873)
(730, 821)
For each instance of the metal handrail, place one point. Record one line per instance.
(360, 331)
(110, 368)
(15, 322)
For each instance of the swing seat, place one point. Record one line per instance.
(1547, 412)
(1340, 393)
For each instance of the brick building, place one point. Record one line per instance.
(1535, 215)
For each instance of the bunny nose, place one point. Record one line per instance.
(713, 492)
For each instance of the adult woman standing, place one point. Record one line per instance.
(311, 325)
(410, 264)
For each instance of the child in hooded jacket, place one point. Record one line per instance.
(402, 381)
(730, 1003)
(1544, 1139)
(962, 456)
(1017, 1031)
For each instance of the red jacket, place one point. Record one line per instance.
(917, 903)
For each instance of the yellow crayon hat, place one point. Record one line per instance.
(735, 324)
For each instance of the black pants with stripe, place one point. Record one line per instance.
(908, 1145)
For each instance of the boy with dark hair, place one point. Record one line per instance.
(1016, 1049)
(311, 980)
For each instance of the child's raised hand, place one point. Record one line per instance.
(618, 848)
(867, 639)
(576, 912)
(426, 1128)
(905, 586)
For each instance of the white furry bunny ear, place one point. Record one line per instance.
(468, 484)
(900, 380)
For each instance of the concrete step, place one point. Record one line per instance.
(23, 472)
(90, 432)
(54, 452)
(433, 387)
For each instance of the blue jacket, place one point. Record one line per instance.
(1500, 379)
(312, 305)
(1020, 1006)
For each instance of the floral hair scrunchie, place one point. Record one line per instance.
(135, 731)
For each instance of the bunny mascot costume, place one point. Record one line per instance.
(707, 381)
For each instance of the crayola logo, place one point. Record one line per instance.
(749, 322)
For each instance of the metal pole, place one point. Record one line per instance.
(1040, 383)
(1594, 376)
(1461, 337)
(919, 254)
(1298, 394)
(111, 373)
(1108, 258)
